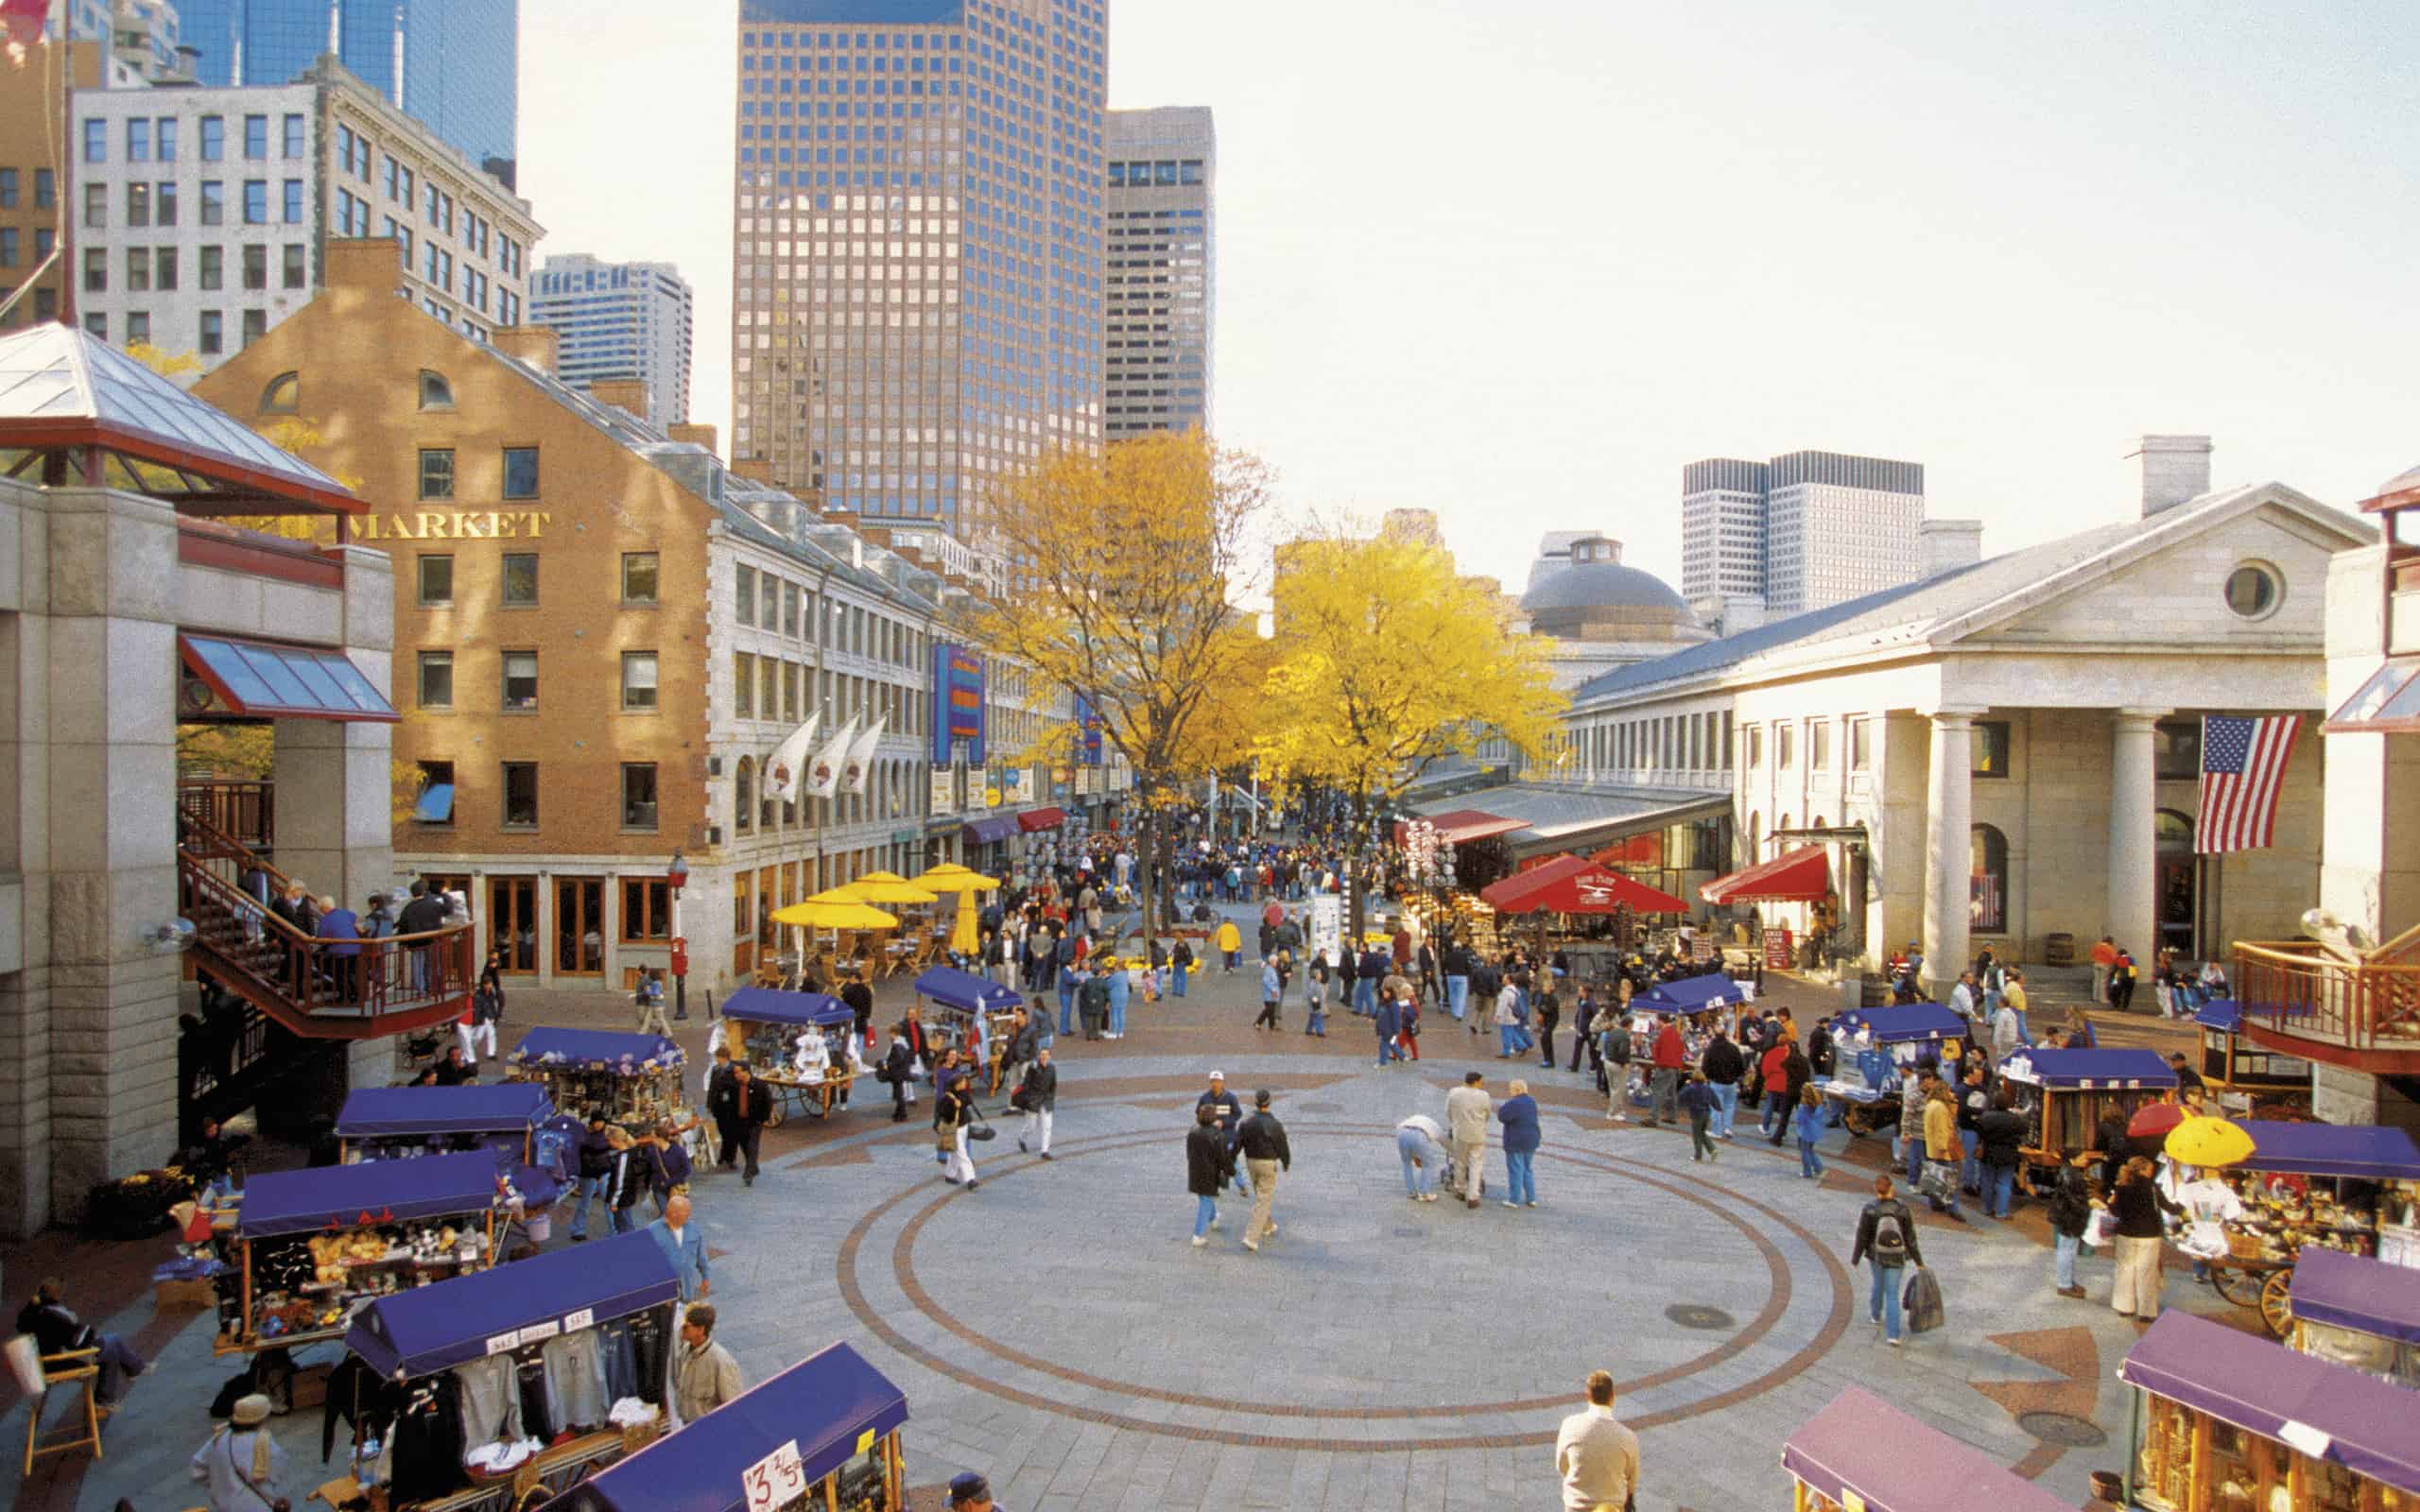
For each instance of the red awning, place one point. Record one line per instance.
(1042, 818)
(1462, 826)
(1803, 876)
(1575, 885)
(257, 679)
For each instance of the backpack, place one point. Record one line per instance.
(1889, 1246)
(1618, 1045)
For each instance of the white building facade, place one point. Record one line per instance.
(620, 321)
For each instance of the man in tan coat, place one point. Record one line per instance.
(704, 1376)
(1596, 1455)
(1469, 1109)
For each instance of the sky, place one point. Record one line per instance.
(1517, 261)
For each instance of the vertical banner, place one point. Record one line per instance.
(1089, 728)
(958, 703)
(1327, 925)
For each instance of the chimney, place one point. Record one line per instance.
(534, 346)
(1949, 544)
(2174, 468)
(693, 435)
(372, 265)
(628, 395)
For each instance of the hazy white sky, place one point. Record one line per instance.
(1519, 260)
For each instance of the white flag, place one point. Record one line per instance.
(787, 769)
(823, 772)
(861, 756)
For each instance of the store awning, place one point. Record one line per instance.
(1803, 876)
(2084, 1070)
(2387, 703)
(2357, 1293)
(1602, 834)
(990, 831)
(2365, 1152)
(421, 1330)
(1695, 994)
(964, 991)
(1049, 819)
(301, 1202)
(257, 679)
(1863, 1452)
(632, 1055)
(766, 1004)
(1575, 885)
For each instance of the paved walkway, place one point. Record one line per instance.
(1056, 1330)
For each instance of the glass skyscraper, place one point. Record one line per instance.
(917, 248)
(449, 64)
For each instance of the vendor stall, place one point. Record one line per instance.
(2226, 1422)
(822, 1435)
(2350, 1187)
(801, 1044)
(2357, 1312)
(631, 1078)
(2067, 1093)
(584, 1336)
(978, 1015)
(2247, 1077)
(304, 1249)
(1694, 995)
(1861, 1452)
(1871, 1048)
(392, 1123)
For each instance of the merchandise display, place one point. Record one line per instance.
(633, 1079)
(2310, 1187)
(802, 1045)
(2064, 1095)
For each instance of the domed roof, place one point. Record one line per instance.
(1601, 585)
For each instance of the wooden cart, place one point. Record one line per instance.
(762, 1024)
(2067, 1093)
(2368, 1177)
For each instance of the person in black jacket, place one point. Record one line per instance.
(898, 1069)
(2136, 1207)
(57, 1328)
(2000, 1135)
(752, 1104)
(721, 1088)
(1262, 1141)
(2071, 1216)
(596, 1162)
(1207, 1165)
(1886, 1233)
(626, 1179)
(859, 997)
(1723, 1066)
(1227, 1113)
(1038, 1095)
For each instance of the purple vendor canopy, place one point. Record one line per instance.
(430, 1186)
(378, 1112)
(825, 1405)
(633, 1054)
(765, 1005)
(2103, 1070)
(1691, 994)
(2362, 1151)
(1895, 1464)
(965, 992)
(2357, 1293)
(428, 1328)
(1903, 1023)
(2329, 1410)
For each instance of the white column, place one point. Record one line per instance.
(1948, 846)
(2133, 897)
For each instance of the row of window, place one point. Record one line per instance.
(44, 239)
(517, 689)
(153, 139)
(766, 687)
(210, 326)
(789, 609)
(156, 268)
(12, 186)
(518, 467)
(150, 203)
(518, 579)
(1165, 173)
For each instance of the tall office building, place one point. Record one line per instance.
(619, 320)
(141, 34)
(1162, 269)
(449, 64)
(1802, 531)
(917, 250)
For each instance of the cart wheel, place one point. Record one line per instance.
(2241, 1287)
(2276, 1303)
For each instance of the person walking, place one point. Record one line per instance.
(1672, 1058)
(2122, 982)
(899, 1072)
(2135, 1209)
(1596, 1455)
(685, 1248)
(1583, 1031)
(243, 1466)
(704, 1375)
(2002, 1131)
(1181, 964)
(1315, 994)
(1037, 1094)
(1227, 1112)
(1407, 1020)
(1507, 1019)
(1914, 1089)
(596, 1163)
(1697, 1100)
(1272, 987)
(1261, 1139)
(2071, 1214)
(1231, 943)
(953, 1115)
(1467, 1110)
(1550, 1014)
(1941, 1152)
(1421, 1145)
(1457, 965)
(625, 1180)
(2105, 956)
(751, 1105)
(1207, 1165)
(1614, 1046)
(1723, 1066)
(1518, 1113)
(1388, 1024)
(1886, 1235)
(1810, 1119)
(1796, 1072)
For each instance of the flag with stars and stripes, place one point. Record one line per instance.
(2243, 770)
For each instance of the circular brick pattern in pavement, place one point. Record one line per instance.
(1835, 1324)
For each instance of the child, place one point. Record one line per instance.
(1810, 1128)
(1698, 1098)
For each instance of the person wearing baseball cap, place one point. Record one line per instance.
(1230, 1113)
(970, 1492)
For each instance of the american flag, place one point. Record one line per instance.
(2243, 769)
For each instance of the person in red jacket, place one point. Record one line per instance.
(1669, 1056)
(1774, 1068)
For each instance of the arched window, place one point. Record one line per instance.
(1755, 835)
(435, 392)
(283, 395)
(2171, 831)
(744, 811)
(1987, 883)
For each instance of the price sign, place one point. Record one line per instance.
(574, 1322)
(532, 1332)
(1777, 950)
(775, 1481)
(504, 1343)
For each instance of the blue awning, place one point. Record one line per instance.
(435, 805)
(375, 1112)
(2357, 1293)
(432, 1186)
(2106, 1070)
(2364, 1151)
(1693, 994)
(965, 992)
(428, 1328)
(827, 1403)
(633, 1054)
(2226, 1015)
(765, 1005)
(990, 831)
(1903, 1023)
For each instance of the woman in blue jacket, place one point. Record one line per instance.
(1518, 1113)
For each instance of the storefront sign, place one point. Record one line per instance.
(1777, 950)
(979, 789)
(958, 703)
(944, 790)
(454, 525)
(1327, 925)
(1017, 786)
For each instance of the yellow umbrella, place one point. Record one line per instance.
(883, 887)
(951, 877)
(834, 910)
(2207, 1142)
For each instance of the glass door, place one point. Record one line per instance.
(579, 926)
(512, 922)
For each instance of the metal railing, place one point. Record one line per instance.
(244, 811)
(2300, 988)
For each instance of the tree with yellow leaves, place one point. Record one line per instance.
(1129, 563)
(1388, 663)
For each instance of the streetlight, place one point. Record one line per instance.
(678, 875)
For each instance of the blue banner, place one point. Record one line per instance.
(1089, 726)
(958, 703)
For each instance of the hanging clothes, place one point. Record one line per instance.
(491, 1401)
(426, 1458)
(651, 1342)
(576, 1365)
(621, 1359)
(538, 1417)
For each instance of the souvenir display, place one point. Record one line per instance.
(398, 1122)
(803, 1046)
(2306, 1186)
(2066, 1094)
(633, 1079)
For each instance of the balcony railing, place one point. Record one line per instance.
(2301, 987)
(244, 811)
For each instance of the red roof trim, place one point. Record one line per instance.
(218, 468)
(1803, 876)
(1049, 819)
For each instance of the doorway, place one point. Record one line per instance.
(2178, 873)
(579, 926)
(512, 922)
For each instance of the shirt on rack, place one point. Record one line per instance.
(539, 1418)
(621, 1359)
(576, 1365)
(491, 1401)
(426, 1457)
(651, 1345)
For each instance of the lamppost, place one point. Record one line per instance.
(678, 875)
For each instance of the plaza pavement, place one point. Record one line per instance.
(1057, 1331)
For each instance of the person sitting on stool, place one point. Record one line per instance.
(56, 1329)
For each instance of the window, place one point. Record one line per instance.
(138, 269)
(1755, 734)
(213, 333)
(790, 609)
(437, 472)
(1987, 888)
(435, 774)
(7, 246)
(214, 202)
(747, 602)
(256, 136)
(96, 141)
(744, 799)
(138, 328)
(96, 275)
(256, 326)
(138, 138)
(520, 471)
(256, 201)
(290, 202)
(138, 204)
(1991, 747)
(638, 577)
(521, 680)
(2176, 750)
(646, 904)
(213, 138)
(521, 578)
(295, 270)
(255, 266)
(163, 134)
(293, 136)
(744, 684)
(435, 392)
(9, 184)
(96, 203)
(45, 189)
(2253, 590)
(1860, 744)
(638, 680)
(520, 794)
(1785, 747)
(1819, 746)
(436, 678)
(97, 324)
(436, 578)
(213, 268)
(164, 204)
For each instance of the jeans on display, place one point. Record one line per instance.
(2063, 1266)
(1884, 1304)
(1999, 1186)
(1206, 1213)
(1422, 1158)
(1726, 1108)
(1521, 1182)
(1457, 995)
(1808, 1165)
